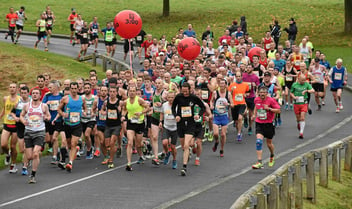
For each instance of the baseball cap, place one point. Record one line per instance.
(277, 68)
(161, 54)
(267, 74)
(224, 41)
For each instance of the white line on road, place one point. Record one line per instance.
(224, 179)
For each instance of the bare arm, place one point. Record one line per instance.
(23, 114)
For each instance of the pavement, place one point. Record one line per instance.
(216, 183)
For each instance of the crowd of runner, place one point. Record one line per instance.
(169, 98)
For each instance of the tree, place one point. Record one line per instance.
(166, 8)
(348, 16)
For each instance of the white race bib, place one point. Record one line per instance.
(186, 112)
(95, 30)
(239, 97)
(205, 94)
(112, 114)
(139, 38)
(300, 99)
(85, 35)
(54, 105)
(289, 78)
(75, 117)
(50, 22)
(338, 76)
(34, 121)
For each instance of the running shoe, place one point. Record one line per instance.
(144, 149)
(183, 172)
(210, 137)
(167, 158)
(309, 111)
(197, 162)
(341, 107)
(134, 151)
(239, 137)
(46, 49)
(24, 171)
(68, 167)
(53, 161)
(271, 162)
(105, 161)
(129, 167)
(97, 153)
(7, 159)
(174, 164)
(61, 165)
(111, 165)
(215, 147)
(124, 140)
(301, 136)
(323, 102)
(118, 152)
(286, 106)
(162, 156)
(319, 108)
(155, 161)
(70, 41)
(32, 180)
(50, 150)
(89, 156)
(221, 153)
(250, 132)
(279, 122)
(258, 165)
(6, 37)
(337, 109)
(13, 168)
(245, 123)
(291, 106)
(140, 160)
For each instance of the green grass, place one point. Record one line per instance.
(322, 20)
(336, 196)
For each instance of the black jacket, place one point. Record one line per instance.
(292, 31)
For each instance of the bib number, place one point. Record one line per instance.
(238, 97)
(338, 76)
(54, 105)
(102, 117)
(75, 117)
(139, 38)
(300, 99)
(134, 120)
(34, 121)
(186, 112)
(50, 22)
(289, 78)
(112, 114)
(205, 95)
(262, 114)
(10, 118)
(85, 35)
(95, 30)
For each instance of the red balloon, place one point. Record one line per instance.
(254, 51)
(127, 24)
(188, 48)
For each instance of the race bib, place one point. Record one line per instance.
(186, 112)
(221, 109)
(54, 105)
(13, 21)
(50, 22)
(95, 30)
(262, 114)
(267, 46)
(102, 116)
(112, 114)
(239, 97)
(134, 120)
(34, 121)
(109, 37)
(10, 118)
(297, 63)
(338, 76)
(139, 38)
(205, 95)
(289, 78)
(75, 117)
(300, 99)
(85, 35)
(156, 108)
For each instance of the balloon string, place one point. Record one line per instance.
(129, 43)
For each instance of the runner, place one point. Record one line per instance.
(83, 34)
(41, 86)
(10, 129)
(319, 72)
(50, 20)
(94, 30)
(70, 109)
(78, 25)
(109, 34)
(168, 125)
(133, 110)
(183, 110)
(24, 93)
(101, 123)
(55, 125)
(33, 116)
(338, 78)
(220, 102)
(88, 121)
(11, 17)
(253, 81)
(299, 93)
(290, 75)
(72, 19)
(239, 90)
(20, 22)
(159, 96)
(264, 114)
(41, 34)
(199, 130)
(139, 39)
(112, 109)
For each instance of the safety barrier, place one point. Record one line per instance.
(116, 65)
(284, 188)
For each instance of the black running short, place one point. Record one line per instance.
(265, 129)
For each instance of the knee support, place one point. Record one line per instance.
(259, 144)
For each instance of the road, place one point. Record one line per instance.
(216, 183)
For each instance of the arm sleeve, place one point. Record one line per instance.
(174, 105)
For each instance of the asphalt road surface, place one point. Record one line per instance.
(216, 183)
